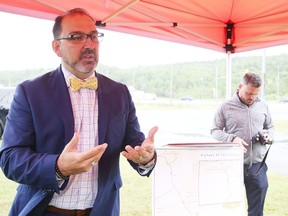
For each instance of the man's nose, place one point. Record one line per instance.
(89, 42)
(253, 97)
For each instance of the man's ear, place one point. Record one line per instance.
(56, 47)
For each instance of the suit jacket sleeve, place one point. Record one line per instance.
(34, 134)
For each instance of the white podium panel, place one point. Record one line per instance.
(199, 179)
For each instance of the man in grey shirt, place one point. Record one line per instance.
(246, 119)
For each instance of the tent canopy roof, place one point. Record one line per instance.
(222, 25)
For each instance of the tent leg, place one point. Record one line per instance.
(228, 75)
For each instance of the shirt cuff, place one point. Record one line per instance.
(144, 169)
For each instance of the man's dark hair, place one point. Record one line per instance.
(57, 28)
(253, 79)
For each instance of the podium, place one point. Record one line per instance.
(199, 179)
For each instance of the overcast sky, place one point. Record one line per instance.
(26, 44)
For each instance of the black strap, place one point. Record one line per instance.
(261, 165)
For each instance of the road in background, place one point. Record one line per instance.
(193, 125)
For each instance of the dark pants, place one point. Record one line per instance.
(54, 214)
(256, 188)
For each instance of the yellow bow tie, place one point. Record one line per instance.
(76, 84)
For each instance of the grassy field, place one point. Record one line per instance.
(7, 192)
(136, 194)
(281, 125)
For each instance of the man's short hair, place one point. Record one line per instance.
(57, 28)
(253, 79)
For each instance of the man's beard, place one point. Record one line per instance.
(84, 67)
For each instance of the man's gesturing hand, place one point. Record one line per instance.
(71, 162)
(144, 153)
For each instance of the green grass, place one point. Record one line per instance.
(281, 125)
(277, 196)
(7, 193)
(136, 194)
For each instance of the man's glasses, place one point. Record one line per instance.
(81, 38)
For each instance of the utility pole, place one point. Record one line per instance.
(171, 83)
(278, 82)
(263, 74)
(216, 83)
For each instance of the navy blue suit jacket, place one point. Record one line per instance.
(39, 125)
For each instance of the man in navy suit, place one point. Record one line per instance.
(62, 143)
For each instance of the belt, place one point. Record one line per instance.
(75, 212)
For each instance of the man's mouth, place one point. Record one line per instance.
(90, 57)
(88, 54)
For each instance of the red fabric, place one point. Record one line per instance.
(202, 23)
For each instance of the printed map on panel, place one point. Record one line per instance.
(198, 181)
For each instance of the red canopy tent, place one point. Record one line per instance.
(222, 25)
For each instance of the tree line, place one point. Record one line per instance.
(201, 80)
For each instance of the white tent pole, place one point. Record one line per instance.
(120, 10)
(229, 48)
(228, 75)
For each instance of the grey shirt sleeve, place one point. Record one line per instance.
(218, 127)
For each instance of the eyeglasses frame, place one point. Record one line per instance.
(70, 36)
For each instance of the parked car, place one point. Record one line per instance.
(186, 98)
(141, 95)
(6, 97)
(283, 101)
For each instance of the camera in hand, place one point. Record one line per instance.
(262, 137)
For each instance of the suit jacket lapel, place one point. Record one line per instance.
(104, 108)
(61, 96)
